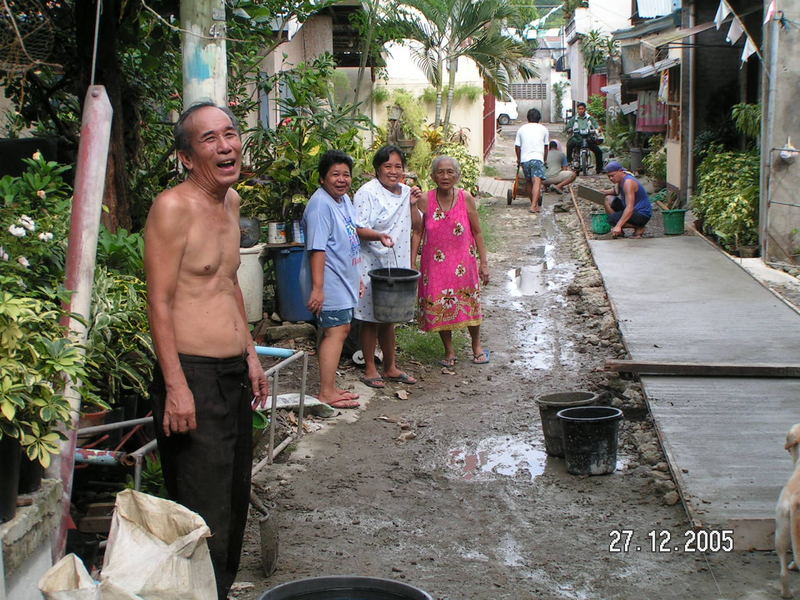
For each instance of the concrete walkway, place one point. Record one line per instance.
(494, 187)
(681, 299)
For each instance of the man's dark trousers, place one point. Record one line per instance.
(208, 470)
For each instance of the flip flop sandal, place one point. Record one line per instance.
(448, 362)
(343, 403)
(373, 382)
(403, 378)
(483, 355)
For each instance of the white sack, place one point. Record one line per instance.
(158, 550)
(68, 579)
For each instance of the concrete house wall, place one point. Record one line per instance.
(403, 73)
(780, 207)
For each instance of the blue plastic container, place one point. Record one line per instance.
(291, 304)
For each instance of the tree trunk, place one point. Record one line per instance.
(108, 74)
(452, 66)
(205, 64)
(372, 9)
(438, 114)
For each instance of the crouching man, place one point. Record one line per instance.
(627, 203)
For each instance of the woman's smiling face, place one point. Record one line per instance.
(391, 172)
(337, 180)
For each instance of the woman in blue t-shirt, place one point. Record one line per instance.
(333, 251)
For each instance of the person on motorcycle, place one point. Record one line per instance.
(584, 125)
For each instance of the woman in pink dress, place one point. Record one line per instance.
(453, 263)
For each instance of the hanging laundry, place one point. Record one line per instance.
(749, 49)
(771, 9)
(663, 87)
(722, 12)
(736, 30)
(652, 114)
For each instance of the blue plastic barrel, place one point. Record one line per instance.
(291, 304)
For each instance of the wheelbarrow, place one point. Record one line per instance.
(521, 188)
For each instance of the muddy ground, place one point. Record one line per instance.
(451, 490)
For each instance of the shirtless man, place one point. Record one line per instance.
(208, 371)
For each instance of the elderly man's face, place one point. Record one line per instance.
(616, 176)
(216, 148)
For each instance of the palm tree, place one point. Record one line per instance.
(447, 30)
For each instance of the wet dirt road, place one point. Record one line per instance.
(470, 508)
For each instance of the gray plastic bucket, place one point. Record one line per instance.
(590, 439)
(549, 405)
(394, 294)
(345, 588)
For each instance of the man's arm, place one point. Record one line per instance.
(258, 381)
(165, 238)
(517, 151)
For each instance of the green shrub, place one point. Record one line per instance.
(119, 352)
(727, 196)
(470, 165)
(655, 162)
(747, 119)
(597, 108)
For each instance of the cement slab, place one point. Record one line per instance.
(680, 299)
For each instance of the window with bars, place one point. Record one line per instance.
(529, 91)
(674, 104)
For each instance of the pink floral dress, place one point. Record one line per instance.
(449, 285)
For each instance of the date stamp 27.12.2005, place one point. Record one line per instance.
(663, 541)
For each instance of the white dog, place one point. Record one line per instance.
(787, 514)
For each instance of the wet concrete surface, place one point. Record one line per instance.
(470, 507)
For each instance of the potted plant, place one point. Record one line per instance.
(36, 356)
(655, 162)
(285, 160)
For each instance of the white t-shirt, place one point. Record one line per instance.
(532, 139)
(381, 210)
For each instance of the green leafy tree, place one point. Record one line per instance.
(597, 48)
(447, 30)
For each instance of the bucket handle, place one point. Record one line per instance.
(396, 264)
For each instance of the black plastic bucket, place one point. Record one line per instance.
(345, 588)
(394, 294)
(549, 405)
(590, 439)
(10, 453)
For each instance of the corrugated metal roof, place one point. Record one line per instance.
(650, 70)
(673, 36)
(654, 8)
(646, 28)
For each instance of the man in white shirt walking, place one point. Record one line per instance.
(531, 148)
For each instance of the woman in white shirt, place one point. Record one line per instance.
(388, 206)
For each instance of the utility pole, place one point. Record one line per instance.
(205, 65)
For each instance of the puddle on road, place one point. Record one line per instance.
(490, 457)
(526, 281)
(507, 457)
